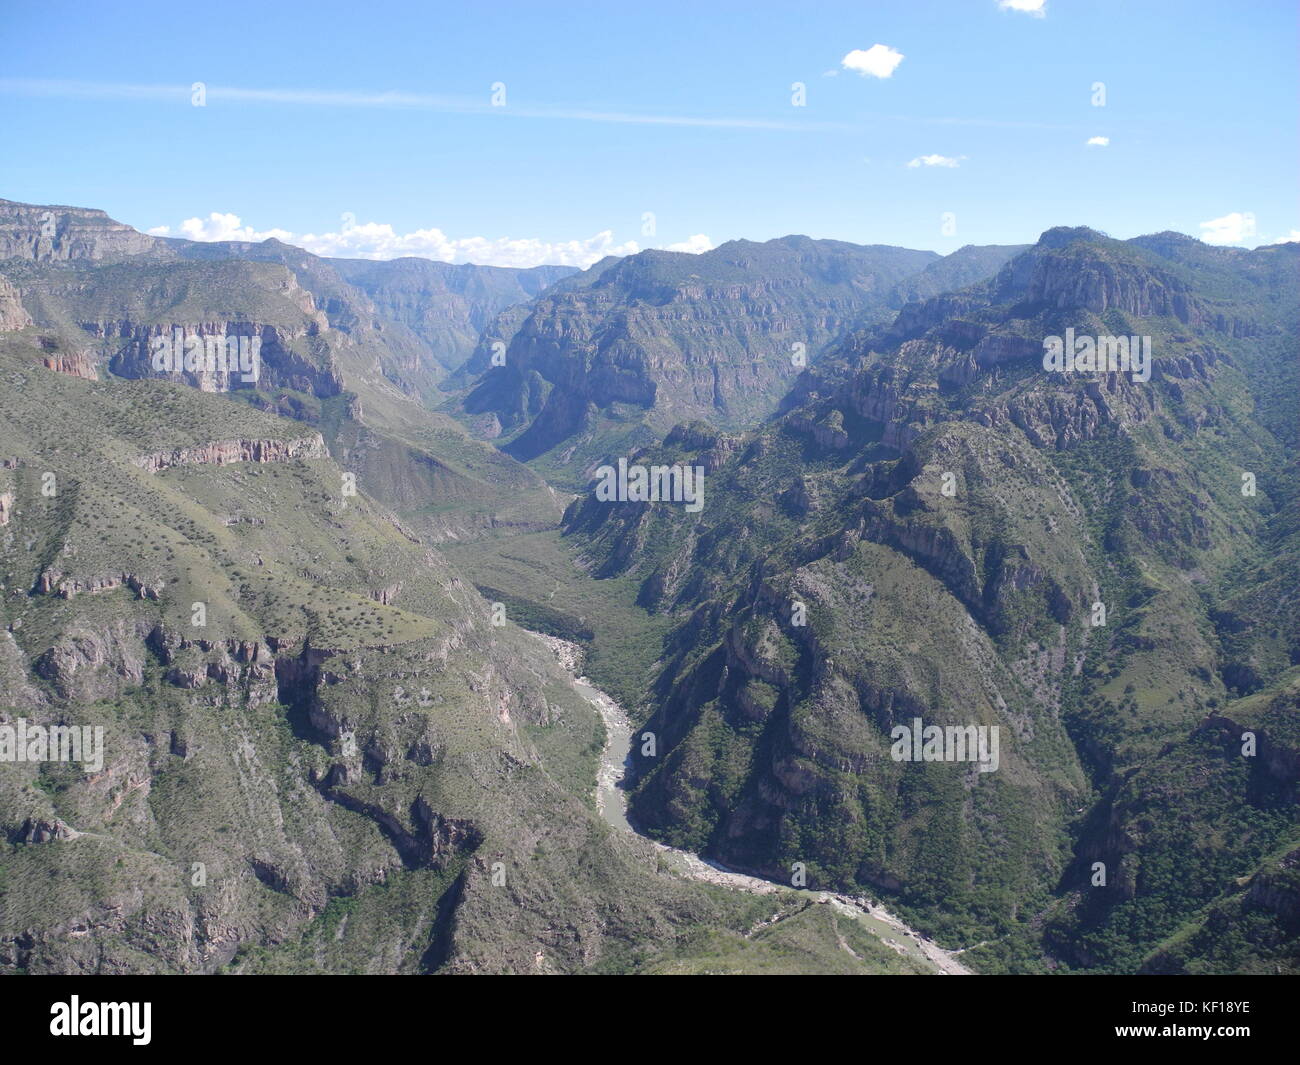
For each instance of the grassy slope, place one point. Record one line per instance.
(316, 854)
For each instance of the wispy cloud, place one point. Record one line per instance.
(995, 123)
(181, 94)
(376, 240)
(1098, 142)
(664, 120)
(386, 100)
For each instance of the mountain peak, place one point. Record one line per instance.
(1060, 236)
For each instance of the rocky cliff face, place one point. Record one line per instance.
(676, 337)
(222, 452)
(214, 326)
(447, 306)
(282, 357)
(74, 364)
(1055, 273)
(54, 233)
(12, 314)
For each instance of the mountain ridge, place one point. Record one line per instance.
(977, 605)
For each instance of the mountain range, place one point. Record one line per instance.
(344, 761)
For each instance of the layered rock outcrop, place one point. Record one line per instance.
(223, 452)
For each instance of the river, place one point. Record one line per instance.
(611, 801)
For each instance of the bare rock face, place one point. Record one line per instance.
(994, 350)
(828, 431)
(85, 665)
(1099, 286)
(224, 663)
(446, 305)
(224, 452)
(38, 830)
(12, 314)
(719, 336)
(274, 352)
(280, 364)
(74, 364)
(53, 233)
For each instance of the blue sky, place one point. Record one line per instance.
(679, 110)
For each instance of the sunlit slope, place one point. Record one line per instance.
(307, 717)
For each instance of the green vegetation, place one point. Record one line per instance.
(980, 604)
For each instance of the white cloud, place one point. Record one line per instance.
(1098, 142)
(219, 226)
(1037, 8)
(1234, 228)
(936, 160)
(694, 245)
(375, 240)
(878, 61)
